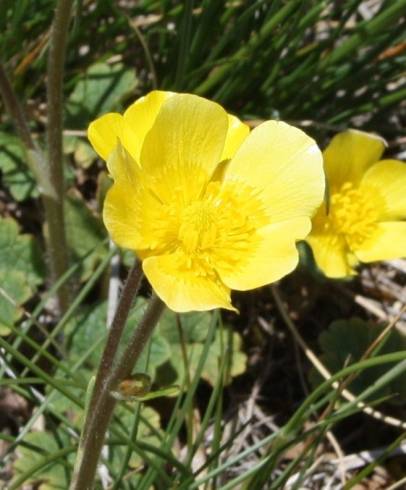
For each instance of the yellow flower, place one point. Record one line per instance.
(364, 220)
(207, 206)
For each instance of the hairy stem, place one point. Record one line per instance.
(54, 204)
(41, 171)
(128, 294)
(14, 109)
(102, 404)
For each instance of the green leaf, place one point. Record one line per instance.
(194, 326)
(150, 418)
(51, 476)
(89, 328)
(14, 291)
(159, 351)
(85, 233)
(101, 90)
(21, 271)
(15, 173)
(347, 340)
(194, 329)
(82, 152)
(20, 252)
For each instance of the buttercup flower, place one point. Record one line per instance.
(365, 218)
(206, 205)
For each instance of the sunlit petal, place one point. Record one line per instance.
(272, 255)
(386, 181)
(104, 132)
(332, 254)
(184, 288)
(236, 134)
(139, 118)
(349, 155)
(184, 146)
(119, 212)
(388, 242)
(284, 165)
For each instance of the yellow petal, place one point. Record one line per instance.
(274, 256)
(387, 179)
(103, 133)
(139, 118)
(332, 255)
(130, 210)
(134, 216)
(119, 216)
(388, 242)
(236, 134)
(285, 166)
(184, 289)
(122, 166)
(349, 155)
(184, 146)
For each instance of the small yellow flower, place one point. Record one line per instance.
(207, 205)
(365, 218)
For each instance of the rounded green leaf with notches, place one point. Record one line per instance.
(21, 271)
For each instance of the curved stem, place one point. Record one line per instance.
(54, 203)
(102, 404)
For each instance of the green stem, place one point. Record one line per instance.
(54, 211)
(102, 405)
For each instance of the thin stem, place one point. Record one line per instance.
(128, 294)
(14, 109)
(102, 404)
(134, 431)
(35, 158)
(54, 210)
(321, 368)
(38, 165)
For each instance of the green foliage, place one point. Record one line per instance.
(100, 90)
(21, 271)
(82, 152)
(85, 233)
(187, 333)
(14, 291)
(346, 341)
(316, 60)
(35, 460)
(148, 431)
(15, 173)
(89, 329)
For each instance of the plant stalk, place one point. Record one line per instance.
(128, 294)
(15, 110)
(37, 163)
(102, 404)
(54, 204)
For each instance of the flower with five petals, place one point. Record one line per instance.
(207, 205)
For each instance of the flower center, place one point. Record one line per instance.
(198, 229)
(220, 229)
(352, 214)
